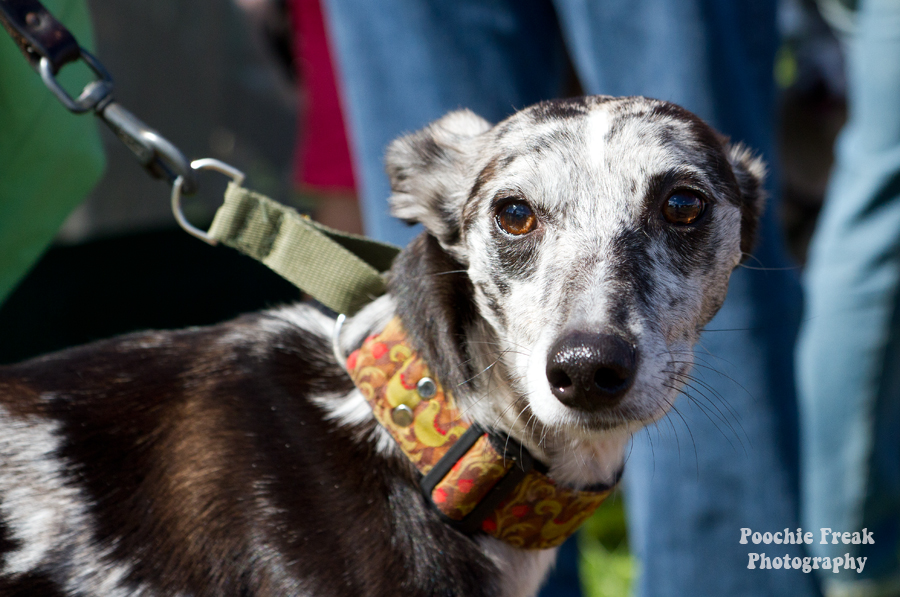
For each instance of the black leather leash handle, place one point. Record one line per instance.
(38, 34)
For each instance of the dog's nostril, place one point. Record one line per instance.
(558, 379)
(611, 380)
(591, 371)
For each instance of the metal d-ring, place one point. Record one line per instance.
(336, 341)
(205, 164)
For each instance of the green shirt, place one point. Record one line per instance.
(49, 158)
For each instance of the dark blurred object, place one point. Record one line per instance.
(810, 72)
(292, 33)
(272, 26)
(152, 280)
(191, 70)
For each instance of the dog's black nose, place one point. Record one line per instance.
(591, 371)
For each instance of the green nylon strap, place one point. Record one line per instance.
(342, 271)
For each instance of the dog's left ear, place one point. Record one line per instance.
(430, 173)
(750, 173)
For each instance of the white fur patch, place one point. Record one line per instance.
(37, 507)
(352, 409)
(522, 571)
(598, 126)
(49, 516)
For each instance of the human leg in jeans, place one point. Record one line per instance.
(849, 349)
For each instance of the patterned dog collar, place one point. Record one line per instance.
(476, 481)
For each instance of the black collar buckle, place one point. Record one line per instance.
(511, 450)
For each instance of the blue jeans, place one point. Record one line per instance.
(690, 489)
(849, 353)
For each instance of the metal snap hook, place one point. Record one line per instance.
(204, 164)
(94, 92)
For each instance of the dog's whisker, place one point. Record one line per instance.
(694, 361)
(523, 350)
(700, 401)
(679, 390)
(693, 445)
(652, 450)
(724, 375)
(528, 423)
(720, 398)
(545, 430)
(462, 383)
(690, 434)
(511, 427)
(702, 357)
(671, 423)
(712, 417)
(689, 382)
(748, 256)
(787, 268)
(687, 377)
(454, 271)
(710, 353)
(502, 414)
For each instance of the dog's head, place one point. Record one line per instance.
(598, 235)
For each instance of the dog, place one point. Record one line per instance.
(571, 256)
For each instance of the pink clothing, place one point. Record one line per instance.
(322, 157)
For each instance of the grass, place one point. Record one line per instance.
(607, 568)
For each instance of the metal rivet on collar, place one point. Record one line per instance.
(426, 388)
(402, 415)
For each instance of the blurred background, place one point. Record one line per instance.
(222, 79)
(206, 75)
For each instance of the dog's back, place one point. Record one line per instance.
(192, 463)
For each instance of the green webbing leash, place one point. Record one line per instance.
(342, 271)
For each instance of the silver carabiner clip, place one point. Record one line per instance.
(94, 93)
(205, 164)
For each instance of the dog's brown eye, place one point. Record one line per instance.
(516, 218)
(683, 208)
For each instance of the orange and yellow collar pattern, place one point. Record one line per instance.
(473, 483)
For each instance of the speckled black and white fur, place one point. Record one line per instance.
(239, 460)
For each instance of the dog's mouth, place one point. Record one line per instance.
(617, 419)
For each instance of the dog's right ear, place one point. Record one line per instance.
(750, 173)
(430, 173)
